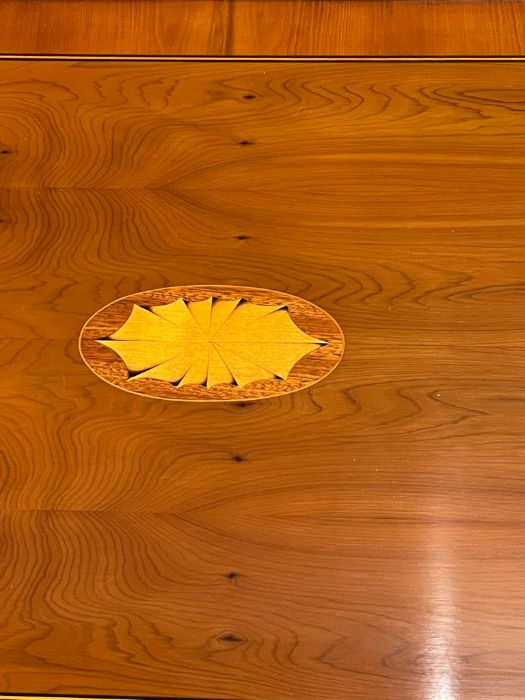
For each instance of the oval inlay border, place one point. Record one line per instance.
(102, 336)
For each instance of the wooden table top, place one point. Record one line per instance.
(360, 538)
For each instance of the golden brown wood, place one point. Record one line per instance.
(265, 27)
(378, 28)
(115, 26)
(215, 343)
(362, 538)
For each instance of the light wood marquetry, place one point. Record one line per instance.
(203, 343)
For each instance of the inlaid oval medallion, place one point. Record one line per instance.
(211, 343)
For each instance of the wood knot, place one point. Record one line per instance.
(231, 638)
(232, 576)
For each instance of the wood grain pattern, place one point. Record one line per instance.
(265, 27)
(359, 539)
(257, 376)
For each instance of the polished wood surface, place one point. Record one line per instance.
(265, 27)
(211, 343)
(362, 538)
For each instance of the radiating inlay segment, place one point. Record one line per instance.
(211, 342)
(219, 340)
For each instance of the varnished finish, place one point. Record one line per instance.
(211, 343)
(265, 27)
(362, 538)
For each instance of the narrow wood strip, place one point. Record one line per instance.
(264, 27)
(258, 59)
(93, 697)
